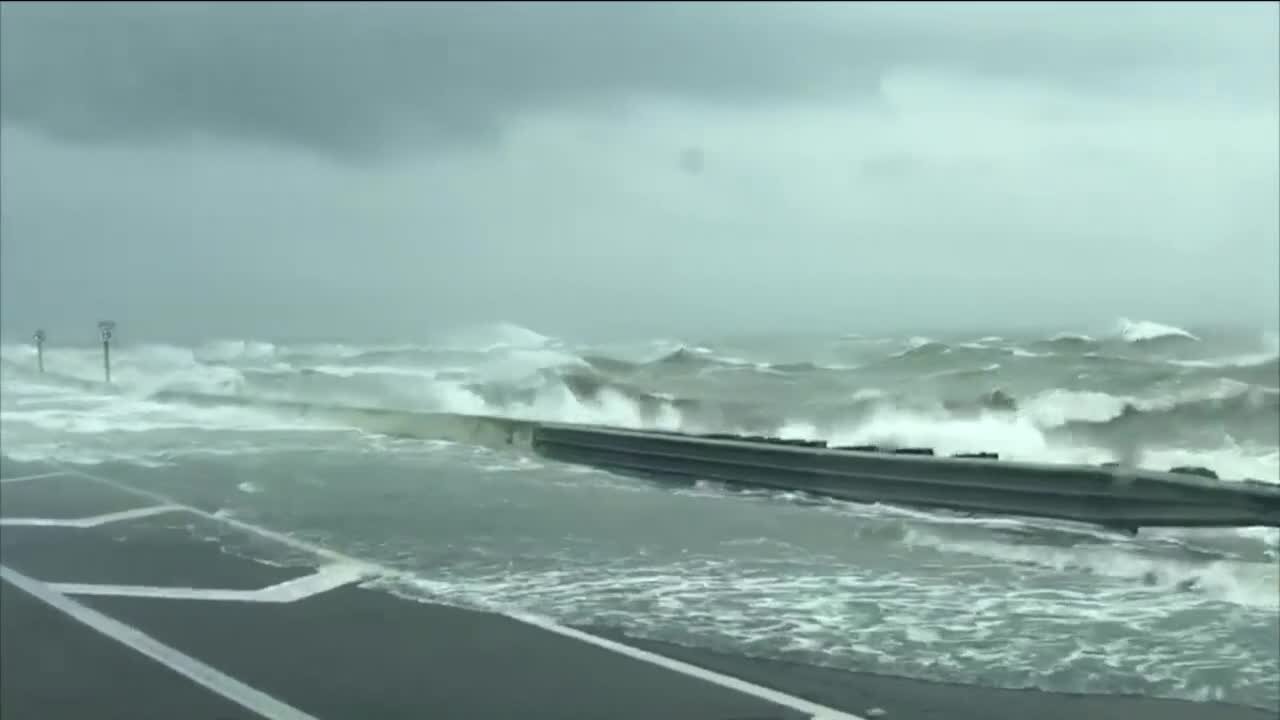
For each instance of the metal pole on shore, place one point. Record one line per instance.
(105, 327)
(39, 338)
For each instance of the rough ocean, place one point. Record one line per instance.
(1172, 613)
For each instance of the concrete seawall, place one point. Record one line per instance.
(1112, 496)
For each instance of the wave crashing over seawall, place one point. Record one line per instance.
(1056, 398)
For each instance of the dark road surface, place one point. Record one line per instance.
(111, 606)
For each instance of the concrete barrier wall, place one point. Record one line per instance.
(1108, 496)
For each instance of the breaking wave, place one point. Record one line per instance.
(1036, 400)
(1145, 331)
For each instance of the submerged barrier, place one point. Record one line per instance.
(481, 430)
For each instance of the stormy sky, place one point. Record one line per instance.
(387, 171)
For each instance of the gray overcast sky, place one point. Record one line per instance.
(389, 170)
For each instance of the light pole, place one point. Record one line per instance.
(39, 338)
(105, 328)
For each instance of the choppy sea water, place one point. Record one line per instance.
(1191, 614)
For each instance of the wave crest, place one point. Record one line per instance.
(1145, 331)
(495, 336)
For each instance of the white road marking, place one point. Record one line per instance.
(211, 678)
(818, 712)
(262, 532)
(95, 520)
(25, 478)
(329, 577)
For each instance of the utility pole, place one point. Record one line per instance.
(39, 338)
(105, 327)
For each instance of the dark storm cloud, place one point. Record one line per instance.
(349, 78)
(277, 170)
(357, 79)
